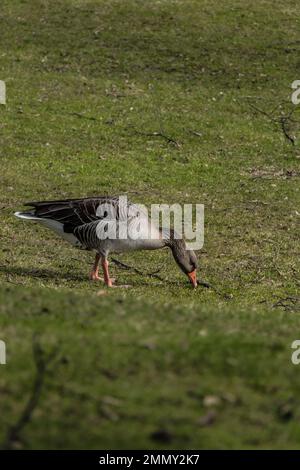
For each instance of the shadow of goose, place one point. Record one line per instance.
(51, 275)
(40, 273)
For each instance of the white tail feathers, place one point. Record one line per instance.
(26, 215)
(53, 225)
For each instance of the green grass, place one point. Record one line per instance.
(158, 365)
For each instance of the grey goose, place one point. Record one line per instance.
(86, 224)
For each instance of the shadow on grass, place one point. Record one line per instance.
(40, 273)
(48, 274)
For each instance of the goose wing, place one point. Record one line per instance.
(90, 222)
(73, 213)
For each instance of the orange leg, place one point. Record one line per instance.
(108, 281)
(94, 275)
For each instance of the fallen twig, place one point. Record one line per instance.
(156, 276)
(169, 139)
(198, 134)
(287, 303)
(90, 118)
(281, 120)
(137, 271)
(268, 115)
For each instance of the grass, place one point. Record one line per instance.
(157, 365)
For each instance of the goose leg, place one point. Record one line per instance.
(107, 279)
(94, 275)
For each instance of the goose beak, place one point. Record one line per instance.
(193, 278)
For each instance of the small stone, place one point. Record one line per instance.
(211, 400)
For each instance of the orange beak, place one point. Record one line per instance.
(193, 278)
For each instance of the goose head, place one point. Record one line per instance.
(186, 259)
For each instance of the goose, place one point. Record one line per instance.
(88, 223)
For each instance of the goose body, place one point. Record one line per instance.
(107, 224)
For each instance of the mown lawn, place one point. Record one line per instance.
(157, 365)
